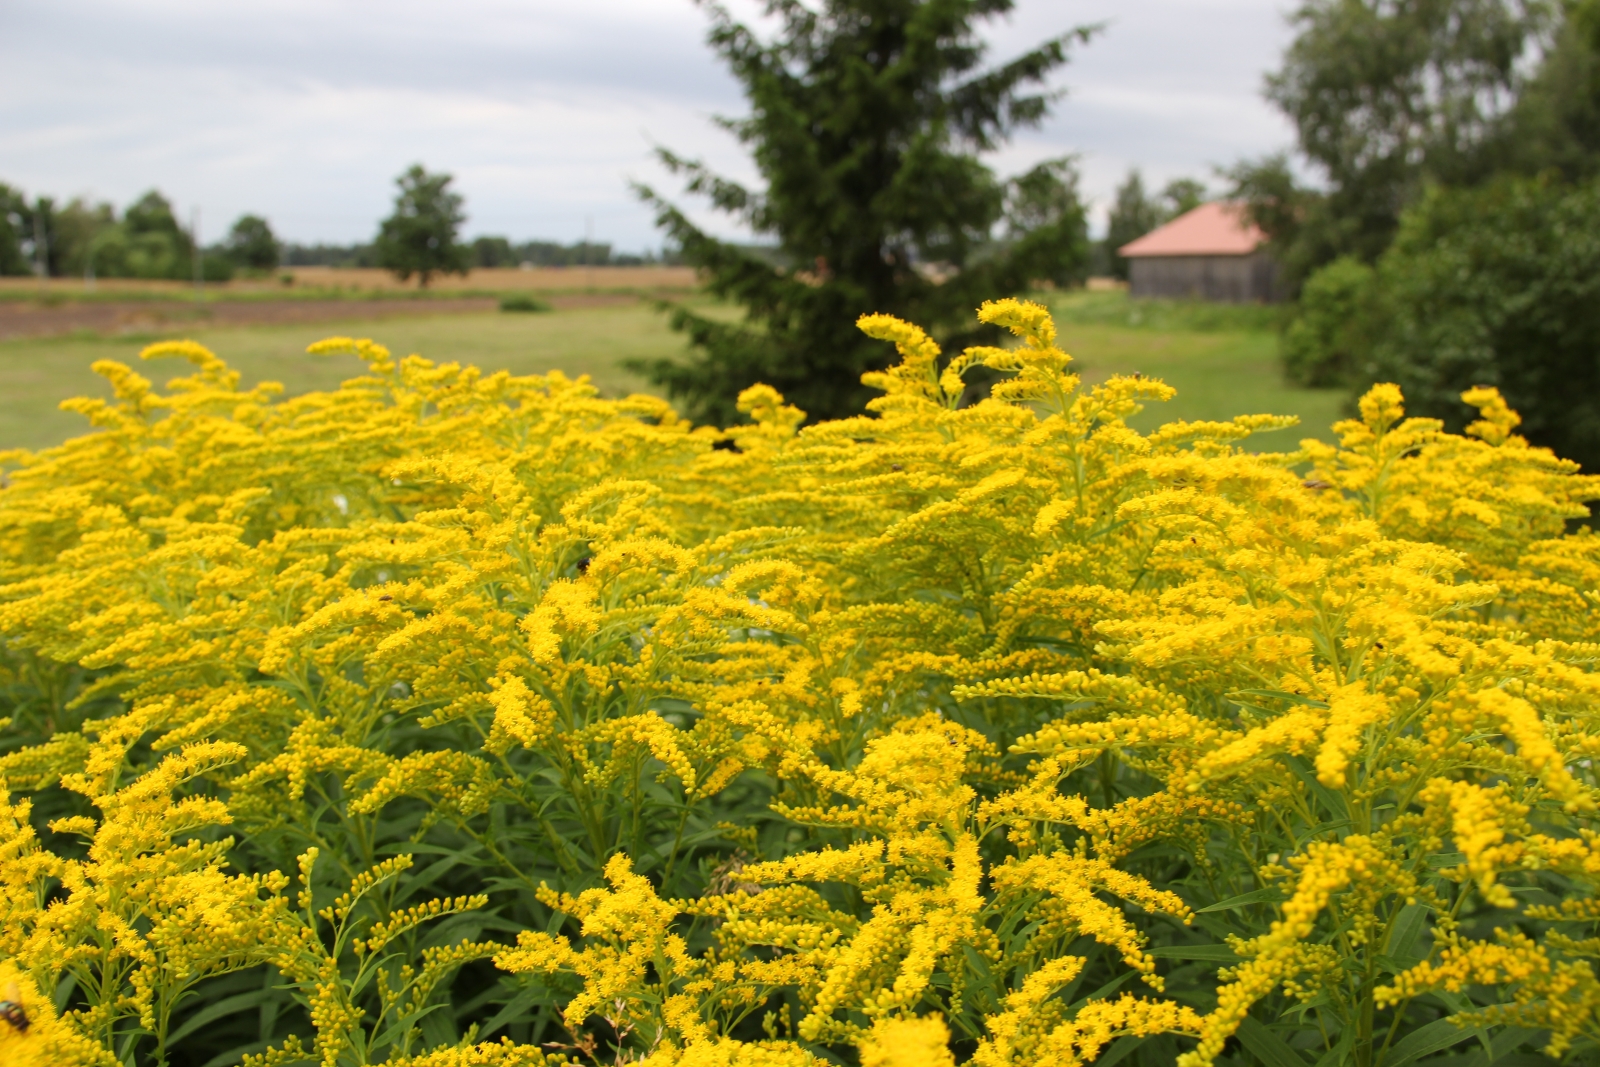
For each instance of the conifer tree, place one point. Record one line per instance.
(867, 118)
(1133, 214)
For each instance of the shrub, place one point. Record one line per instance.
(452, 718)
(522, 302)
(1330, 338)
(1499, 286)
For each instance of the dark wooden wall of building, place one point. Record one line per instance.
(1226, 279)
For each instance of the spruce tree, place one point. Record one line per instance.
(867, 119)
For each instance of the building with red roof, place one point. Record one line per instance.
(1210, 253)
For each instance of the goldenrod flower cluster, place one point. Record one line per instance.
(453, 719)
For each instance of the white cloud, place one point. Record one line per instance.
(304, 111)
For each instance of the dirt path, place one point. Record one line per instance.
(18, 319)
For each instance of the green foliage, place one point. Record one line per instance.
(252, 245)
(420, 237)
(156, 246)
(865, 115)
(1386, 97)
(1331, 335)
(493, 252)
(1184, 194)
(83, 238)
(148, 242)
(13, 218)
(1133, 214)
(1499, 286)
(522, 302)
(80, 232)
(326, 255)
(1556, 123)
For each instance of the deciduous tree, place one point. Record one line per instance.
(1387, 96)
(251, 244)
(420, 237)
(13, 222)
(1498, 285)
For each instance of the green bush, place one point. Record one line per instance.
(522, 302)
(1498, 285)
(1332, 331)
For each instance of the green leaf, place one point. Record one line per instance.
(1435, 1037)
(1121, 1048)
(516, 1006)
(1218, 953)
(1409, 927)
(1271, 894)
(234, 1055)
(1340, 1053)
(1330, 801)
(1105, 990)
(1499, 1051)
(1266, 1046)
(213, 1012)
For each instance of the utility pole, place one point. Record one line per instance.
(41, 246)
(588, 243)
(88, 263)
(199, 275)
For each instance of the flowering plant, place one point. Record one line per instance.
(452, 718)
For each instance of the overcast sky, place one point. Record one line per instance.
(304, 110)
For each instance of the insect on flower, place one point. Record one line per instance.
(11, 1009)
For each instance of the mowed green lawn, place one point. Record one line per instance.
(1222, 361)
(36, 375)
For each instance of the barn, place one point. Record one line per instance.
(1210, 253)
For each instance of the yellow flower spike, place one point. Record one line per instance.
(917, 348)
(193, 351)
(871, 720)
(520, 716)
(776, 421)
(373, 354)
(916, 377)
(908, 1042)
(1381, 407)
(730, 1053)
(1023, 318)
(1350, 711)
(1496, 420)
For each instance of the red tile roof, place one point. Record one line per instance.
(1215, 229)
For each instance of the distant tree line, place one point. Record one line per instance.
(485, 252)
(86, 239)
(147, 240)
(500, 252)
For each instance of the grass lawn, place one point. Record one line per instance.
(36, 374)
(1222, 360)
